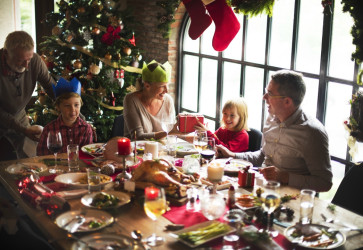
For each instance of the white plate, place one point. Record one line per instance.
(140, 146)
(102, 241)
(91, 215)
(123, 199)
(198, 226)
(25, 167)
(90, 149)
(80, 179)
(185, 148)
(340, 238)
(235, 165)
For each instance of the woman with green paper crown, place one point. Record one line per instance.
(145, 108)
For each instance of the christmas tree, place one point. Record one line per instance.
(94, 42)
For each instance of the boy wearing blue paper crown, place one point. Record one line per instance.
(73, 129)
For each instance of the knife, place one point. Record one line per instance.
(281, 224)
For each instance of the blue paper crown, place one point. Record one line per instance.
(63, 86)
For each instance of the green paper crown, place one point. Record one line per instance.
(161, 73)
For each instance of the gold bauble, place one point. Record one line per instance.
(127, 51)
(96, 31)
(77, 64)
(94, 69)
(108, 56)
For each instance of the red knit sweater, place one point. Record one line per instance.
(234, 141)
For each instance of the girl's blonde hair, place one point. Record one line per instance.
(242, 110)
(66, 96)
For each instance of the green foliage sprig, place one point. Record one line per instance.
(355, 9)
(252, 7)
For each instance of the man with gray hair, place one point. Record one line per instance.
(20, 70)
(295, 146)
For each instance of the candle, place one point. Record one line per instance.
(152, 148)
(151, 193)
(124, 146)
(215, 171)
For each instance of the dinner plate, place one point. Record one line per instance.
(90, 216)
(185, 148)
(104, 241)
(79, 179)
(91, 148)
(340, 238)
(196, 227)
(235, 165)
(26, 167)
(123, 199)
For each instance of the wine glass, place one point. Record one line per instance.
(167, 123)
(270, 201)
(198, 140)
(54, 144)
(154, 206)
(209, 150)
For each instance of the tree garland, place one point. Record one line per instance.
(252, 7)
(355, 8)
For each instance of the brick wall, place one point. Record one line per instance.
(150, 39)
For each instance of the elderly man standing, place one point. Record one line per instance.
(20, 69)
(295, 147)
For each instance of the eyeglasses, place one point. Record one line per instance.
(273, 96)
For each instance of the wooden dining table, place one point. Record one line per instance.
(132, 216)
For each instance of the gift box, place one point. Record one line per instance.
(188, 121)
(246, 178)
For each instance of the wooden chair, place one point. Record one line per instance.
(347, 195)
(255, 139)
(118, 126)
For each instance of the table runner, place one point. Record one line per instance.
(179, 215)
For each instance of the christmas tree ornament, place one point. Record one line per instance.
(200, 20)
(111, 35)
(45, 111)
(135, 64)
(112, 99)
(96, 31)
(138, 57)
(127, 51)
(132, 40)
(118, 56)
(108, 56)
(87, 36)
(77, 64)
(57, 30)
(94, 69)
(81, 10)
(99, 111)
(101, 92)
(226, 22)
(69, 37)
(119, 73)
(121, 82)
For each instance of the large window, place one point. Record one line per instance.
(299, 37)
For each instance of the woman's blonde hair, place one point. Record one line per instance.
(242, 110)
(66, 96)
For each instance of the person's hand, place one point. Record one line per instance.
(200, 126)
(34, 132)
(272, 173)
(222, 151)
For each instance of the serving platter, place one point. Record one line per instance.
(105, 241)
(79, 179)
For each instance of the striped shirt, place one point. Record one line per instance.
(81, 133)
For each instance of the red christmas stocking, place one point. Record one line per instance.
(227, 25)
(200, 20)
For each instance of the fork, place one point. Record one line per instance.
(100, 149)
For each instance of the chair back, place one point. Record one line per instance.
(255, 139)
(347, 195)
(118, 126)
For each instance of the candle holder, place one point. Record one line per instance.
(123, 175)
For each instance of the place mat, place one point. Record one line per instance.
(179, 215)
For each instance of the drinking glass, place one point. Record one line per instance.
(198, 142)
(154, 206)
(167, 123)
(54, 144)
(209, 150)
(93, 179)
(270, 201)
(213, 206)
